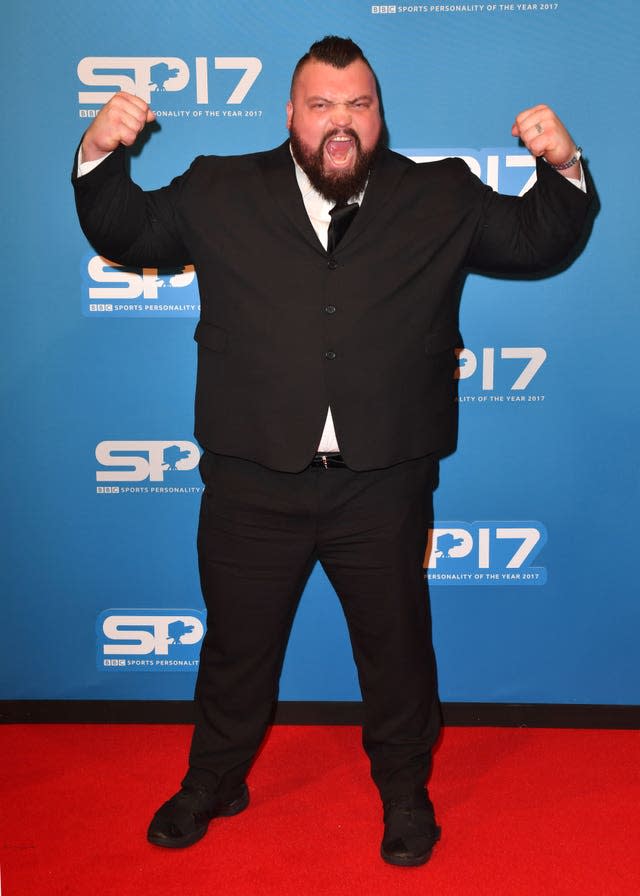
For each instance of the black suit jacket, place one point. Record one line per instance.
(287, 330)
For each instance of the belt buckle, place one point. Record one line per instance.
(325, 462)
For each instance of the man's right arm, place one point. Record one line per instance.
(120, 220)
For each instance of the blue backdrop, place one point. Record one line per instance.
(533, 553)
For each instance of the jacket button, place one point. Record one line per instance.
(330, 356)
(332, 264)
(330, 309)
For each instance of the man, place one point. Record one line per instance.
(329, 271)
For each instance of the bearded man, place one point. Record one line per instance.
(329, 273)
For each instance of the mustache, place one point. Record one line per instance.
(342, 132)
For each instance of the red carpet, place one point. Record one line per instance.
(523, 811)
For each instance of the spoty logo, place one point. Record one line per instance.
(486, 552)
(112, 290)
(501, 168)
(486, 362)
(149, 640)
(137, 460)
(157, 75)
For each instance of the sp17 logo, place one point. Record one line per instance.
(137, 460)
(148, 640)
(502, 169)
(516, 377)
(485, 553)
(157, 75)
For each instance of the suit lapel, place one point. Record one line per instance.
(381, 186)
(280, 178)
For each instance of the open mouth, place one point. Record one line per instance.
(340, 149)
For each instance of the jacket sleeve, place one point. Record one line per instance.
(531, 233)
(126, 224)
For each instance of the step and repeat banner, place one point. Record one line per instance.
(531, 564)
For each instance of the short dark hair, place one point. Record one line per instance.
(336, 51)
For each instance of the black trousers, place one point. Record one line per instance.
(260, 533)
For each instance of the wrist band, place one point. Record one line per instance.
(572, 161)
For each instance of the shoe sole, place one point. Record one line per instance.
(409, 861)
(234, 808)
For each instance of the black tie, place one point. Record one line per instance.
(341, 218)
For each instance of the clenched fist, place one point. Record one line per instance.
(544, 134)
(119, 121)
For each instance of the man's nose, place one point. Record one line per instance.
(341, 115)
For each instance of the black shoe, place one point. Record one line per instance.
(184, 819)
(410, 831)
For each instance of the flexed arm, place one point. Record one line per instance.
(123, 222)
(539, 229)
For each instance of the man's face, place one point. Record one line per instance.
(335, 126)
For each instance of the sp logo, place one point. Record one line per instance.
(500, 168)
(485, 364)
(111, 290)
(147, 76)
(125, 283)
(137, 635)
(485, 553)
(149, 640)
(135, 461)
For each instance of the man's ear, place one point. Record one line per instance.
(289, 114)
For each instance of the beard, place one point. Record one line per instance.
(334, 186)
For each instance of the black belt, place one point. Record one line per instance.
(328, 461)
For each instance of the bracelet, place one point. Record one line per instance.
(572, 161)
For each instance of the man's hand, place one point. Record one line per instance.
(119, 121)
(543, 134)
